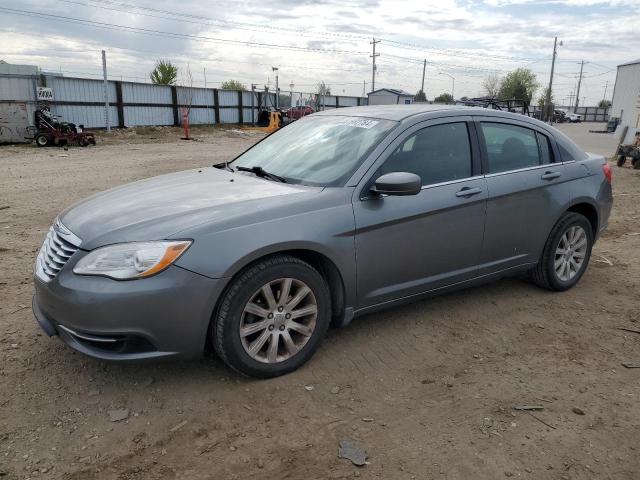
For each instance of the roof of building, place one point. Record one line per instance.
(395, 91)
(633, 62)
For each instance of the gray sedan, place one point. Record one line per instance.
(339, 214)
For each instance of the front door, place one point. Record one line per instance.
(406, 245)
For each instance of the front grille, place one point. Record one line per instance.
(56, 250)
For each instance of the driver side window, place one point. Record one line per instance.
(437, 154)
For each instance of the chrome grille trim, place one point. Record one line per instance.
(58, 247)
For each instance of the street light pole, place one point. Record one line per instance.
(453, 84)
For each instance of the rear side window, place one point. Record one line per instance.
(437, 154)
(546, 153)
(510, 147)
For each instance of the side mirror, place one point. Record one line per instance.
(398, 183)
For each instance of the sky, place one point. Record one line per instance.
(330, 40)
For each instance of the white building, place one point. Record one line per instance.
(389, 96)
(626, 98)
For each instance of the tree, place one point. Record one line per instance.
(519, 84)
(464, 99)
(232, 85)
(491, 85)
(164, 73)
(420, 96)
(543, 98)
(443, 98)
(604, 104)
(323, 89)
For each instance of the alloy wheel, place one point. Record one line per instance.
(570, 253)
(278, 320)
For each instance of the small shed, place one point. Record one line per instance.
(626, 98)
(390, 96)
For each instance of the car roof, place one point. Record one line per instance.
(423, 112)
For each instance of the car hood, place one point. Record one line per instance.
(158, 207)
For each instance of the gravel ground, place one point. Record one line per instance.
(427, 389)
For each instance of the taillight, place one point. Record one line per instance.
(608, 174)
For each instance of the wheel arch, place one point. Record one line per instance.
(588, 210)
(326, 266)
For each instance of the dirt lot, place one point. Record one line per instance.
(428, 390)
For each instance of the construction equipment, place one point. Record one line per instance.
(49, 131)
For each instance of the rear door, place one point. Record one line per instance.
(412, 244)
(527, 187)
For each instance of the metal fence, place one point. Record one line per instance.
(589, 114)
(81, 101)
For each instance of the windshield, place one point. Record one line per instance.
(317, 150)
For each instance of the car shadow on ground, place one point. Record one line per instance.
(396, 325)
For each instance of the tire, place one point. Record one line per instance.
(246, 292)
(621, 160)
(42, 140)
(545, 274)
(636, 164)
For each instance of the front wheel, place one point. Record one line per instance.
(566, 253)
(272, 317)
(42, 140)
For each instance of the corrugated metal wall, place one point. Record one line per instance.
(80, 89)
(81, 101)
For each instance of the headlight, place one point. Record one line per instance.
(131, 260)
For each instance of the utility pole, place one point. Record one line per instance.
(253, 104)
(373, 66)
(204, 70)
(606, 85)
(106, 91)
(291, 94)
(424, 68)
(275, 69)
(553, 65)
(364, 87)
(575, 110)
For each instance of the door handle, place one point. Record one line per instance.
(468, 191)
(550, 175)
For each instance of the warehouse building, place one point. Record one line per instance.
(389, 96)
(626, 98)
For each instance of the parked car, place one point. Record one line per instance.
(559, 116)
(574, 118)
(329, 218)
(300, 111)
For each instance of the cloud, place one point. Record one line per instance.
(466, 38)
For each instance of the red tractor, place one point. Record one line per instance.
(49, 131)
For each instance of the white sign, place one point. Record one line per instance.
(45, 93)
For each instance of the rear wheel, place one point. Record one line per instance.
(621, 160)
(272, 317)
(636, 164)
(566, 254)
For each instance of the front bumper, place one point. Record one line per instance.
(162, 316)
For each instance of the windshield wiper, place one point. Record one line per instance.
(260, 172)
(224, 165)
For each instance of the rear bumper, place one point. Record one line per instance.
(163, 316)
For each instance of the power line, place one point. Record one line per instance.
(204, 20)
(147, 31)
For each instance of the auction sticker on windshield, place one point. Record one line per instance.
(359, 122)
